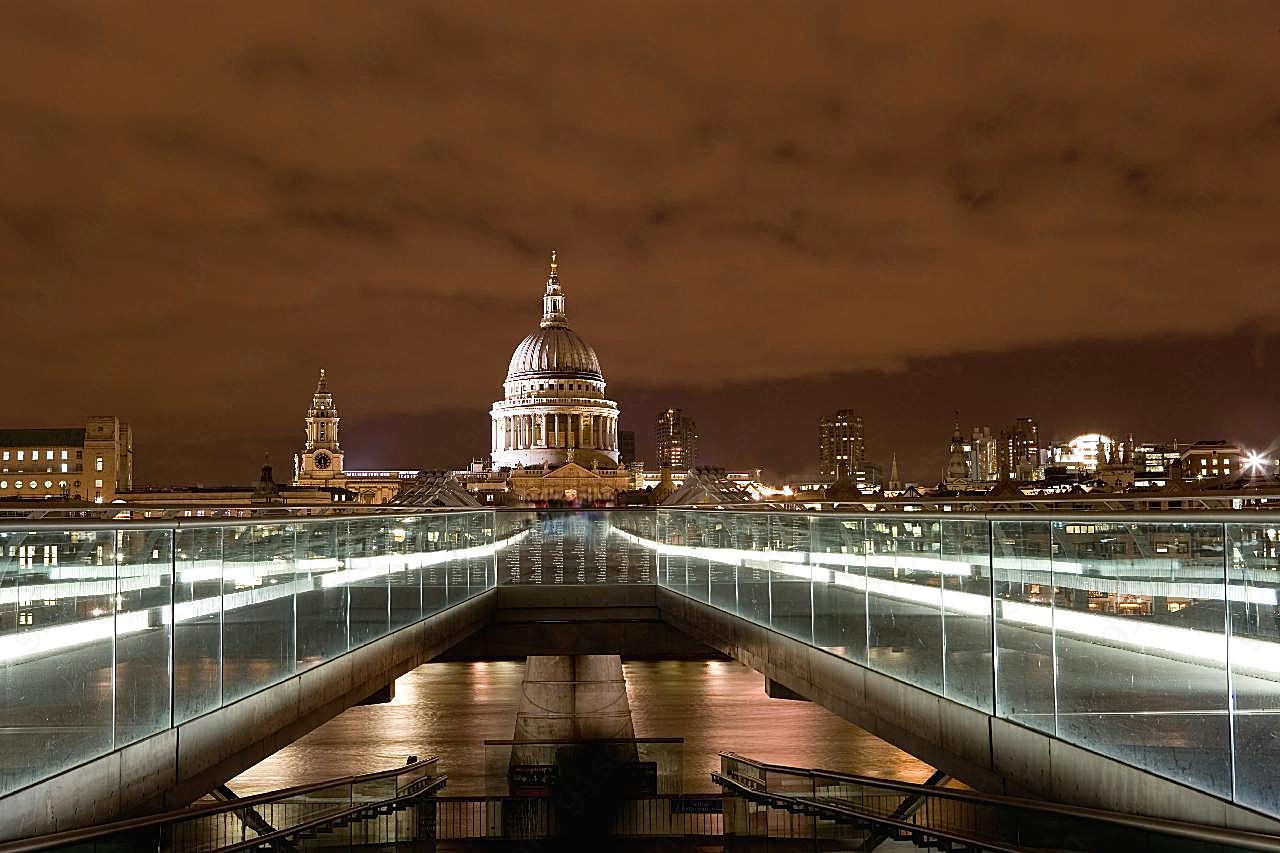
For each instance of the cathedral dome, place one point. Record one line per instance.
(553, 409)
(554, 351)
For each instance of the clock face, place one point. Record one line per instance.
(323, 460)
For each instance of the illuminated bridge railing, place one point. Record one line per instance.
(111, 633)
(1152, 639)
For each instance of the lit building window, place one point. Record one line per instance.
(34, 484)
(64, 454)
(18, 484)
(4, 484)
(64, 467)
(97, 484)
(98, 465)
(22, 454)
(48, 455)
(6, 456)
(48, 484)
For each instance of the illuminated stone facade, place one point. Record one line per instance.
(554, 428)
(89, 463)
(320, 464)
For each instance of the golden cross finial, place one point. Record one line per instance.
(553, 263)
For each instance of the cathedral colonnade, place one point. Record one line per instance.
(555, 430)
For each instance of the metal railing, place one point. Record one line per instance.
(1151, 638)
(530, 818)
(797, 802)
(1072, 625)
(111, 632)
(373, 808)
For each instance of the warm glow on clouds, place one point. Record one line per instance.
(215, 200)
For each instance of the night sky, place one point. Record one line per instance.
(763, 212)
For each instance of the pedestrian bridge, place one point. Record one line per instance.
(1126, 661)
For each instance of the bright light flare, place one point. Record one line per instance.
(1255, 462)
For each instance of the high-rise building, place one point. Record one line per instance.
(1025, 444)
(626, 446)
(984, 454)
(89, 463)
(1020, 449)
(676, 440)
(840, 444)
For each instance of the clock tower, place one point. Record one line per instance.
(322, 457)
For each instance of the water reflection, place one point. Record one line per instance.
(449, 709)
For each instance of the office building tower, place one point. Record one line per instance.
(676, 440)
(840, 444)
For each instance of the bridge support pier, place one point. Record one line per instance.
(381, 696)
(774, 690)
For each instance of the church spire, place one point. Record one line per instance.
(553, 300)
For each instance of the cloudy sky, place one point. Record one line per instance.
(764, 211)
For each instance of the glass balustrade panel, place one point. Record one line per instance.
(838, 562)
(258, 587)
(904, 599)
(1140, 646)
(1022, 585)
(787, 559)
(365, 551)
(58, 595)
(144, 574)
(1253, 564)
(322, 597)
(197, 622)
(966, 612)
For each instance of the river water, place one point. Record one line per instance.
(450, 709)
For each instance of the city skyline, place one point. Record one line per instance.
(903, 231)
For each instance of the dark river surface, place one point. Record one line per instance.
(450, 709)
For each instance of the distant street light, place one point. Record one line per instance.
(1255, 463)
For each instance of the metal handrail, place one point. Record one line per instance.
(367, 513)
(52, 840)
(782, 801)
(1172, 516)
(1194, 831)
(315, 823)
(1177, 516)
(191, 522)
